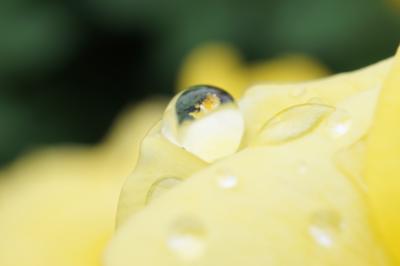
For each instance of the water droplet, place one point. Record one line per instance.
(301, 167)
(297, 92)
(339, 123)
(292, 123)
(228, 181)
(187, 238)
(160, 187)
(325, 227)
(204, 120)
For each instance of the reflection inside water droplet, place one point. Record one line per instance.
(160, 187)
(187, 238)
(325, 226)
(228, 181)
(204, 120)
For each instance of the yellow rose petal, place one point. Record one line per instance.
(58, 205)
(383, 160)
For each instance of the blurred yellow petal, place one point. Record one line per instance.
(56, 209)
(216, 64)
(122, 145)
(394, 4)
(221, 65)
(286, 69)
(383, 160)
(58, 205)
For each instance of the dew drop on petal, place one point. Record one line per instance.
(339, 123)
(206, 121)
(301, 167)
(292, 123)
(160, 187)
(227, 181)
(186, 238)
(325, 226)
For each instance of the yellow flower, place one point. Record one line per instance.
(292, 192)
(274, 178)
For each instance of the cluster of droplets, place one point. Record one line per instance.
(207, 122)
(187, 236)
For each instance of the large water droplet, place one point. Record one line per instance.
(339, 123)
(292, 123)
(227, 181)
(160, 187)
(187, 238)
(325, 226)
(204, 120)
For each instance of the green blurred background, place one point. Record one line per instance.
(68, 67)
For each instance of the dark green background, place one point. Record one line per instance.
(68, 67)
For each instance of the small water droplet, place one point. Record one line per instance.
(228, 181)
(204, 120)
(298, 92)
(301, 167)
(292, 123)
(325, 225)
(339, 123)
(187, 238)
(160, 187)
